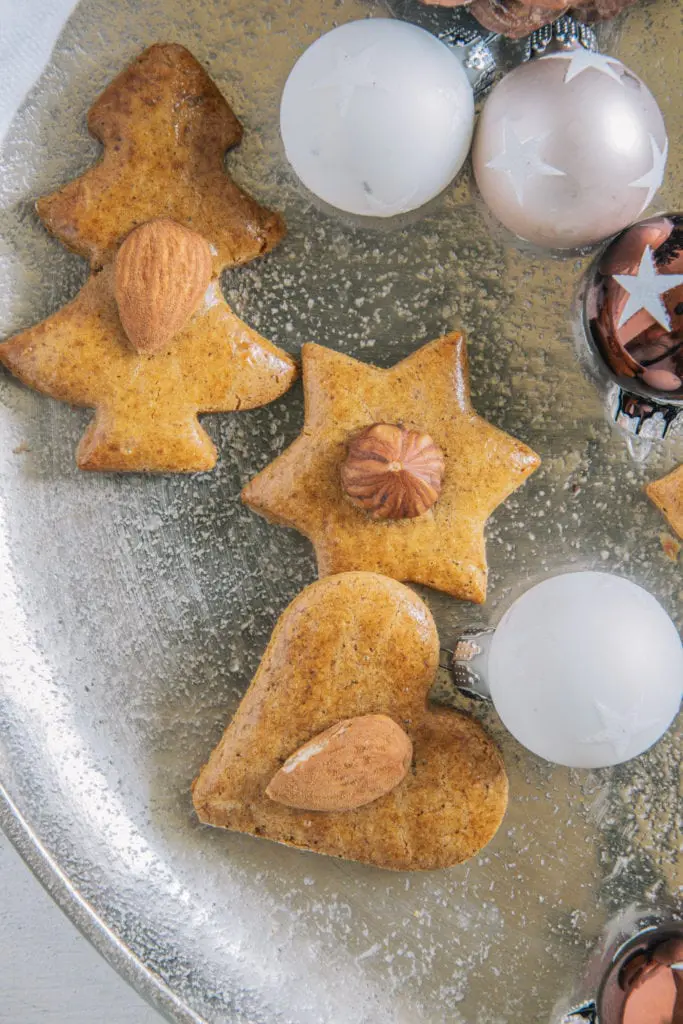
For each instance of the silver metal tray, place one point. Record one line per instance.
(134, 610)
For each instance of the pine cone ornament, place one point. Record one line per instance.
(518, 18)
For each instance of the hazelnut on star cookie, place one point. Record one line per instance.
(394, 472)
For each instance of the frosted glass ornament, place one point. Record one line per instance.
(585, 669)
(377, 117)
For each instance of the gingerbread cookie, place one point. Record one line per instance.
(355, 654)
(667, 495)
(149, 342)
(394, 472)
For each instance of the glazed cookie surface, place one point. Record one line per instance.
(149, 342)
(355, 645)
(459, 468)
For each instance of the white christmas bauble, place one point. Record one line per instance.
(586, 670)
(377, 116)
(570, 148)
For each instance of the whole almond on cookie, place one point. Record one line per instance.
(348, 765)
(162, 271)
(349, 647)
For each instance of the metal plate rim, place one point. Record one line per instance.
(79, 912)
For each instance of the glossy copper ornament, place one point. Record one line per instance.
(633, 306)
(652, 982)
(643, 983)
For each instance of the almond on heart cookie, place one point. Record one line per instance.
(149, 342)
(335, 748)
(394, 471)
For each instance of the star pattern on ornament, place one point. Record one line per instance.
(350, 73)
(645, 290)
(403, 201)
(443, 548)
(520, 160)
(620, 728)
(653, 179)
(581, 60)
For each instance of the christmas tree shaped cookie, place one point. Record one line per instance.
(334, 747)
(149, 341)
(394, 472)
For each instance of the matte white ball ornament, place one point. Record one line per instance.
(377, 117)
(585, 670)
(570, 148)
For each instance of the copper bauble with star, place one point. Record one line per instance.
(644, 982)
(570, 148)
(634, 308)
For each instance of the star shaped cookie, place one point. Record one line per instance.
(428, 394)
(149, 342)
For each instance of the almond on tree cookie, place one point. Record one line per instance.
(335, 749)
(149, 342)
(394, 471)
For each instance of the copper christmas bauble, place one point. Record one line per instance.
(643, 984)
(634, 308)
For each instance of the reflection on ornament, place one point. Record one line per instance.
(377, 117)
(569, 149)
(585, 669)
(633, 320)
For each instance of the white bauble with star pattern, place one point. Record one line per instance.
(377, 117)
(586, 670)
(570, 148)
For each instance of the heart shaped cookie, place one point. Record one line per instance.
(353, 645)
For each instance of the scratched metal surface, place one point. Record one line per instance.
(134, 610)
